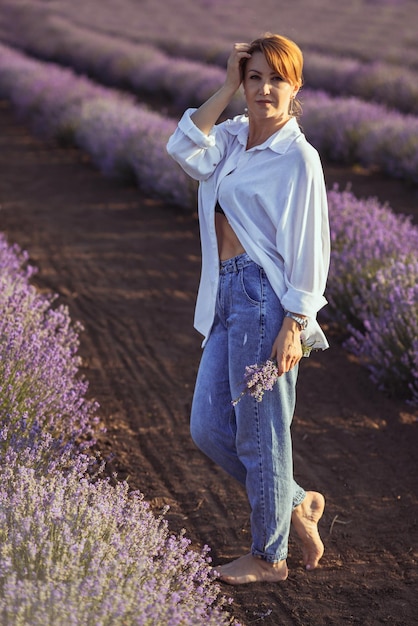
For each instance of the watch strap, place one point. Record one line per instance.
(302, 321)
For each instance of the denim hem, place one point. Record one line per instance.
(299, 497)
(269, 558)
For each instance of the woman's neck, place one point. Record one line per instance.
(259, 132)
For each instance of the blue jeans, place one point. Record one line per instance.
(251, 441)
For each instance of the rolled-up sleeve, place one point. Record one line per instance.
(198, 154)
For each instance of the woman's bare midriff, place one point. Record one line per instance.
(228, 243)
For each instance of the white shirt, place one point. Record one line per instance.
(274, 198)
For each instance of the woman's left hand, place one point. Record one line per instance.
(287, 348)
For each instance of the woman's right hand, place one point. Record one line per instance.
(208, 113)
(233, 67)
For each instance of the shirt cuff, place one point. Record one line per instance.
(189, 128)
(303, 303)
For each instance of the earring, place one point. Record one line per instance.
(291, 106)
(246, 112)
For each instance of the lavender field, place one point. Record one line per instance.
(112, 81)
(366, 29)
(128, 140)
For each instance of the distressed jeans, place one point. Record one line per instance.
(251, 441)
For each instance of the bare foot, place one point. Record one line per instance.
(305, 518)
(252, 569)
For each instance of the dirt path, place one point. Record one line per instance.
(128, 266)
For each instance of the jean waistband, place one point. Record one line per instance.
(235, 264)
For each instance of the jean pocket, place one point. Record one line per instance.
(251, 278)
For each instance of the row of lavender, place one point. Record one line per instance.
(392, 85)
(124, 139)
(142, 67)
(75, 549)
(374, 273)
(373, 289)
(344, 129)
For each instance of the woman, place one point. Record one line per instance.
(265, 255)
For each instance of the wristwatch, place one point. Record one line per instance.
(302, 321)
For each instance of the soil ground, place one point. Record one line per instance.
(127, 266)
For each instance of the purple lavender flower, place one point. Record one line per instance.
(122, 137)
(41, 392)
(67, 106)
(372, 289)
(258, 379)
(179, 77)
(75, 550)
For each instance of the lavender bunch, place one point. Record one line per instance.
(258, 379)
(261, 378)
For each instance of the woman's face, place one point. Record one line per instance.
(266, 92)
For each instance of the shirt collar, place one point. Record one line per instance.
(278, 142)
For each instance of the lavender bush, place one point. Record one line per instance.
(391, 85)
(366, 237)
(128, 141)
(373, 288)
(352, 131)
(75, 549)
(139, 67)
(120, 135)
(383, 29)
(62, 104)
(189, 81)
(388, 342)
(76, 552)
(39, 386)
